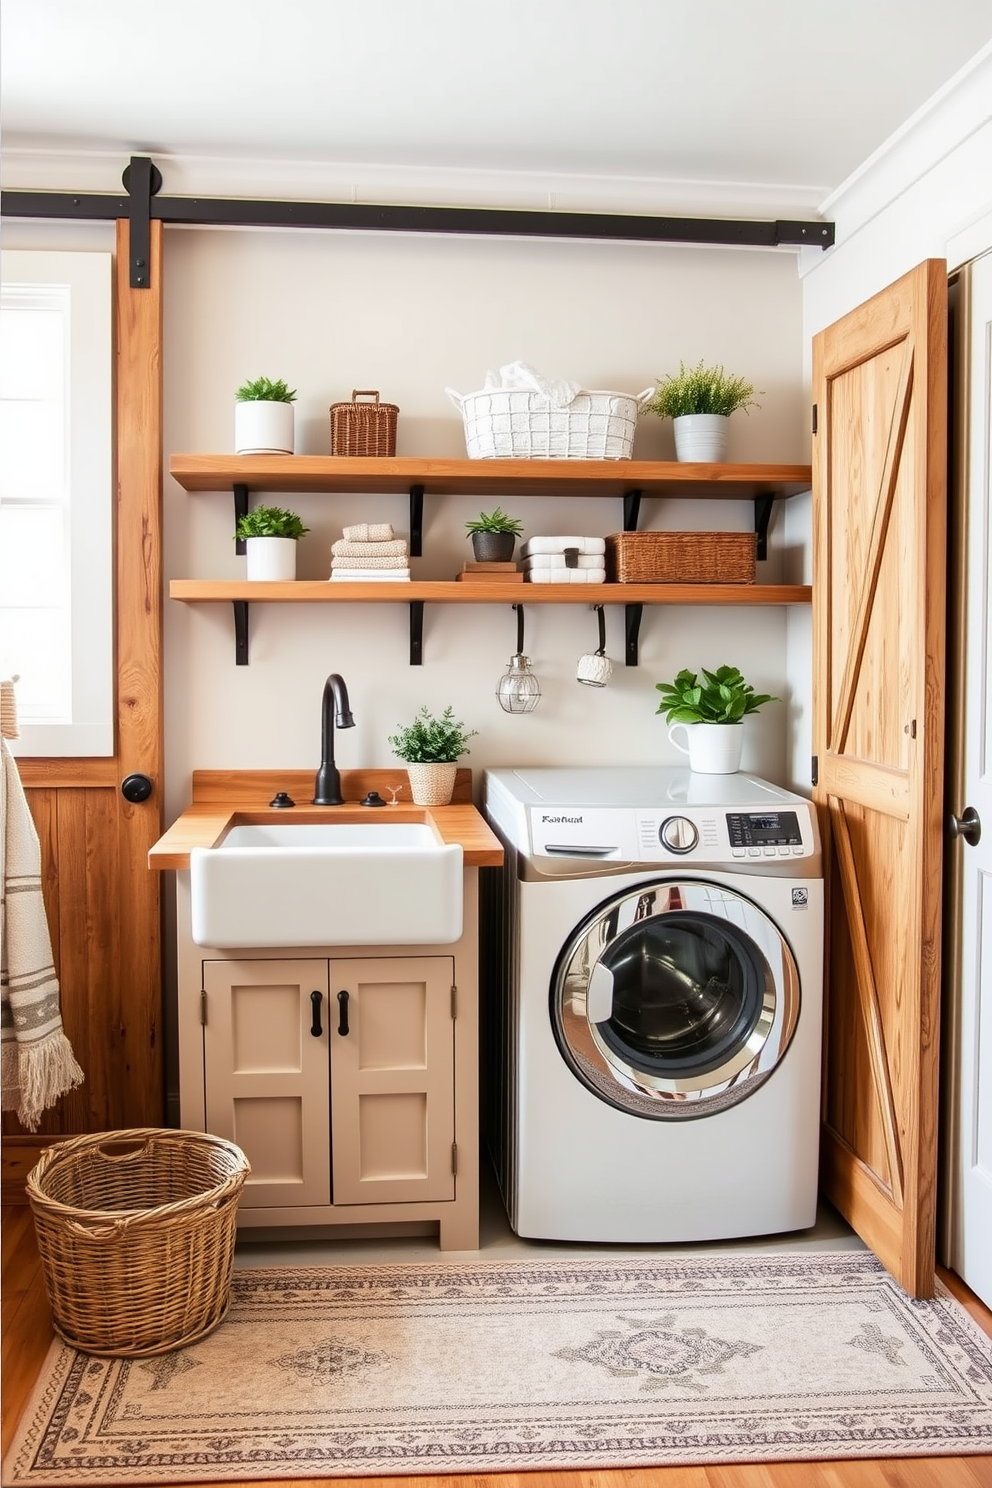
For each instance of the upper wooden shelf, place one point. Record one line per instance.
(284, 474)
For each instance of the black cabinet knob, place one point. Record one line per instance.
(136, 788)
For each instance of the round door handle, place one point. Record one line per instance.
(968, 825)
(136, 788)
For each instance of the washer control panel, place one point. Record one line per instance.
(699, 834)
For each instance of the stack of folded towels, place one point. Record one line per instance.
(368, 552)
(564, 560)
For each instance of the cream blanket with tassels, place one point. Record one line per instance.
(38, 1064)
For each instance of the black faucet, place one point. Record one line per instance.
(327, 786)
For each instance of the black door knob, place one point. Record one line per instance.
(136, 788)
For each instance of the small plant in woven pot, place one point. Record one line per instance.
(430, 746)
(494, 536)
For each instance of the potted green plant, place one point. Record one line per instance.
(699, 400)
(263, 417)
(711, 710)
(270, 536)
(493, 535)
(431, 746)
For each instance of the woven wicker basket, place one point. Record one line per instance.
(136, 1235)
(680, 557)
(364, 428)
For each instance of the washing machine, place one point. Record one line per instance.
(652, 983)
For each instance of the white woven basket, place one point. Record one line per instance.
(514, 423)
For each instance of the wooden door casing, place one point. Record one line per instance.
(879, 481)
(102, 901)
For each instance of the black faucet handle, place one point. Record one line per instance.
(373, 799)
(282, 799)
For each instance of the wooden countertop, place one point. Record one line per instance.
(227, 798)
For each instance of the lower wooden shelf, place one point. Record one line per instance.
(242, 592)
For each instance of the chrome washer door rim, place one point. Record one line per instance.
(625, 1076)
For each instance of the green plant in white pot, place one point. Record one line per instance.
(431, 746)
(270, 535)
(699, 400)
(263, 418)
(711, 710)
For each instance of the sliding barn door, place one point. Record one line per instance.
(102, 900)
(879, 472)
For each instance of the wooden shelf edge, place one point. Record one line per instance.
(320, 591)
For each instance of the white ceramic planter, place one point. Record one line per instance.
(262, 428)
(701, 437)
(432, 785)
(713, 748)
(272, 558)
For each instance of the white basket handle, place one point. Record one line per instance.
(642, 398)
(456, 398)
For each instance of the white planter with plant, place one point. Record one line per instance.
(264, 418)
(712, 713)
(699, 400)
(431, 747)
(270, 535)
(494, 536)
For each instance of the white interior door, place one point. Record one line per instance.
(971, 1114)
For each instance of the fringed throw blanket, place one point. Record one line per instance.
(38, 1064)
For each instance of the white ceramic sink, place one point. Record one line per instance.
(327, 883)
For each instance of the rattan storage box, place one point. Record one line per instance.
(680, 557)
(364, 428)
(136, 1234)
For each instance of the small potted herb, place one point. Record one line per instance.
(493, 535)
(270, 536)
(263, 418)
(699, 400)
(430, 746)
(712, 712)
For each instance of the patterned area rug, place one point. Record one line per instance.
(484, 1367)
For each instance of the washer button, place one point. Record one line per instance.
(678, 834)
(738, 852)
(754, 852)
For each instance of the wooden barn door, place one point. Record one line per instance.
(101, 898)
(879, 473)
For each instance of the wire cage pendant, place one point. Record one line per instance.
(518, 690)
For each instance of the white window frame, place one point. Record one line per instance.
(90, 421)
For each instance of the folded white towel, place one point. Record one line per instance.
(369, 575)
(355, 560)
(368, 532)
(565, 576)
(560, 560)
(519, 375)
(346, 548)
(535, 545)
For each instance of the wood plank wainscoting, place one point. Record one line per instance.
(27, 1334)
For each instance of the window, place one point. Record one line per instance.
(56, 500)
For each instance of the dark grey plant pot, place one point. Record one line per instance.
(493, 547)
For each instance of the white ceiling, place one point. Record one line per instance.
(621, 102)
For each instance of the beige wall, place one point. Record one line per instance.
(410, 316)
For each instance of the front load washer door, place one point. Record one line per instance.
(675, 999)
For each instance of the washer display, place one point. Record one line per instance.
(652, 957)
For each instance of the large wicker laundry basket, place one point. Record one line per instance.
(136, 1234)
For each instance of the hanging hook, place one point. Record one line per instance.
(601, 651)
(520, 628)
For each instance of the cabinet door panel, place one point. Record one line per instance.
(392, 1080)
(267, 1075)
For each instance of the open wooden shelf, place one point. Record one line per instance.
(323, 591)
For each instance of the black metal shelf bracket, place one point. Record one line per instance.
(631, 510)
(240, 510)
(416, 521)
(416, 632)
(762, 515)
(632, 626)
(240, 631)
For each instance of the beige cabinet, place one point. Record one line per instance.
(349, 1079)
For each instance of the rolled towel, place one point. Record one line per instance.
(349, 548)
(539, 575)
(369, 575)
(397, 560)
(564, 560)
(368, 532)
(539, 545)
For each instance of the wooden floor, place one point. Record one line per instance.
(27, 1334)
